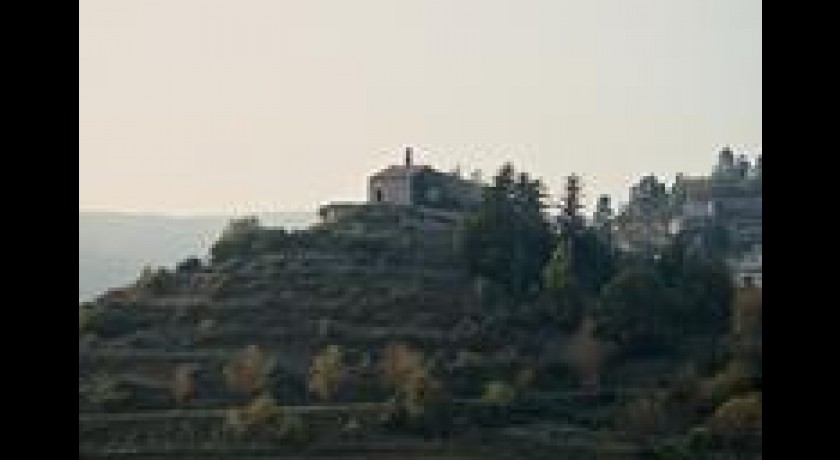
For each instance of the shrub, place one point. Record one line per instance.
(237, 239)
(672, 450)
(732, 380)
(183, 382)
(160, 281)
(262, 416)
(584, 354)
(698, 438)
(189, 265)
(293, 428)
(738, 420)
(103, 391)
(255, 415)
(525, 377)
(260, 410)
(89, 318)
(644, 417)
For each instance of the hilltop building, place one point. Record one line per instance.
(718, 213)
(746, 270)
(419, 185)
(603, 212)
(420, 188)
(730, 199)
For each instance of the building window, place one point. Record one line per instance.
(748, 281)
(378, 194)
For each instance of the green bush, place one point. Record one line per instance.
(326, 373)
(498, 392)
(738, 421)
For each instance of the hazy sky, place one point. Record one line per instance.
(220, 106)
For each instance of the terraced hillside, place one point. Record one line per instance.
(361, 338)
(385, 278)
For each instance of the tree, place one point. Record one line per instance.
(508, 239)
(326, 372)
(633, 309)
(564, 297)
(593, 261)
(558, 273)
(580, 262)
(702, 292)
(664, 302)
(407, 373)
(249, 370)
(571, 220)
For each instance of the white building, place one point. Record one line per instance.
(746, 271)
(393, 184)
(409, 184)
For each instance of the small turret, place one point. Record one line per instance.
(603, 212)
(726, 159)
(408, 158)
(725, 167)
(742, 167)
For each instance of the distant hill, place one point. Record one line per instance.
(114, 247)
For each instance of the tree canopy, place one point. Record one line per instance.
(508, 240)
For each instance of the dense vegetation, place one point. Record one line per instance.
(678, 305)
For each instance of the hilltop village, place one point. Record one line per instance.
(449, 318)
(719, 212)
